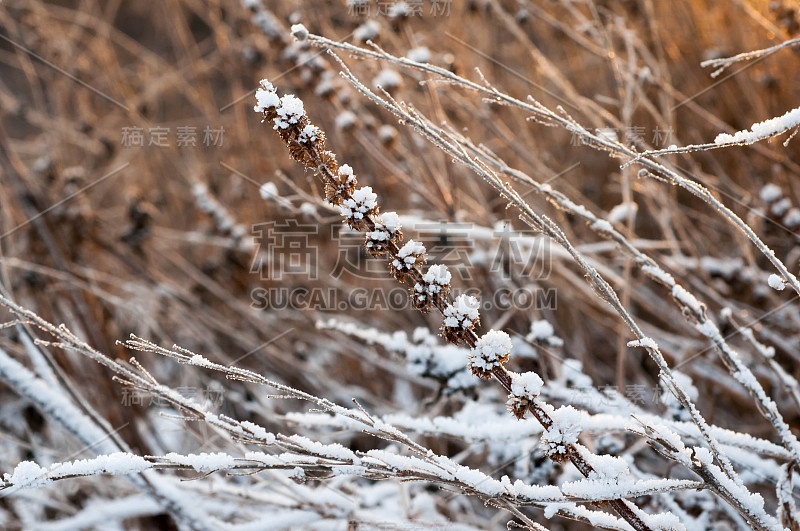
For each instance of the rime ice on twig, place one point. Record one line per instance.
(460, 316)
(725, 62)
(449, 143)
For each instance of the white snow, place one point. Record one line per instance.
(387, 226)
(390, 221)
(258, 432)
(541, 329)
(792, 218)
(526, 385)
(490, 350)
(602, 225)
(623, 212)
(200, 361)
(599, 490)
(299, 32)
(779, 208)
(646, 342)
(434, 281)
(363, 203)
(388, 79)
(309, 134)
(203, 462)
(368, 31)
(776, 282)
(266, 97)
(565, 430)
(268, 190)
(687, 299)
(703, 455)
(27, 474)
(398, 9)
(378, 235)
(118, 463)
(387, 133)
(345, 120)
(659, 274)
(762, 130)
(290, 112)
(408, 255)
(345, 170)
(308, 208)
(438, 275)
(542, 332)
(770, 193)
(463, 313)
(420, 54)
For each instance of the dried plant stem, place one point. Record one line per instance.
(323, 163)
(563, 119)
(540, 222)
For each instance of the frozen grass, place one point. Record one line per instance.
(506, 148)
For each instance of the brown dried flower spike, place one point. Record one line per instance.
(434, 287)
(525, 388)
(410, 256)
(344, 185)
(491, 351)
(387, 232)
(362, 204)
(460, 318)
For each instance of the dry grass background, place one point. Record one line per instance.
(133, 253)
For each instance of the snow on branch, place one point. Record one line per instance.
(725, 62)
(423, 352)
(28, 474)
(761, 130)
(600, 490)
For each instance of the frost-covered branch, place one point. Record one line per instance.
(360, 210)
(54, 403)
(724, 62)
(596, 140)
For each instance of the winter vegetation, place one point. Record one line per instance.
(399, 265)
